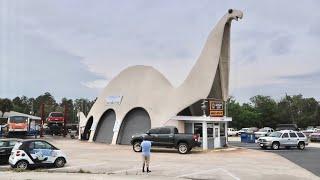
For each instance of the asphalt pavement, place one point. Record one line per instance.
(309, 158)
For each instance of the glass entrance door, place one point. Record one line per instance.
(216, 129)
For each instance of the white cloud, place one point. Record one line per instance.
(96, 84)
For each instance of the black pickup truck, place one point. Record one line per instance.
(168, 137)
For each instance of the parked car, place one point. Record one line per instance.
(309, 130)
(36, 153)
(263, 132)
(6, 146)
(315, 136)
(253, 129)
(168, 137)
(232, 132)
(281, 127)
(244, 130)
(285, 138)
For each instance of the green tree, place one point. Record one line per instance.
(5, 106)
(49, 102)
(266, 107)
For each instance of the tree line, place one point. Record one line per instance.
(263, 111)
(32, 105)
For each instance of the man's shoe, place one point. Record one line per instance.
(148, 170)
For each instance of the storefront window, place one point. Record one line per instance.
(198, 129)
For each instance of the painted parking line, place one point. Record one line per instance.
(210, 170)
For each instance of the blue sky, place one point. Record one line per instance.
(73, 48)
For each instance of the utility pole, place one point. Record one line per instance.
(42, 119)
(65, 120)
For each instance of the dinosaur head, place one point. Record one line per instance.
(235, 14)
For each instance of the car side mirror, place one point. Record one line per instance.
(148, 133)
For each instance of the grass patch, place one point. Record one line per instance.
(19, 170)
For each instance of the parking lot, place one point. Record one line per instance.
(96, 161)
(308, 159)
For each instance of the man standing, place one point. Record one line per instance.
(146, 147)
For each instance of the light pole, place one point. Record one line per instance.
(204, 126)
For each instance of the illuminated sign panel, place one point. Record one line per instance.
(216, 108)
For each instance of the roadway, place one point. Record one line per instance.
(308, 159)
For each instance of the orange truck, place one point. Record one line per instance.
(17, 126)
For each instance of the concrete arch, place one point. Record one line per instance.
(86, 132)
(104, 129)
(136, 120)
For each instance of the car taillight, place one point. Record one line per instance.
(195, 137)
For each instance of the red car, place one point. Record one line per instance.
(55, 117)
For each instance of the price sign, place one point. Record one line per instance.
(216, 108)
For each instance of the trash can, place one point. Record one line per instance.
(251, 138)
(244, 137)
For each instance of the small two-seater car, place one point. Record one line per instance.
(35, 153)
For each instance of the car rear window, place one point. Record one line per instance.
(293, 135)
(300, 135)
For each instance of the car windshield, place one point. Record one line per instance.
(275, 134)
(56, 115)
(18, 119)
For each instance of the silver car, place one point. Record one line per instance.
(285, 138)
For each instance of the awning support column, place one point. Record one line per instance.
(204, 136)
(226, 131)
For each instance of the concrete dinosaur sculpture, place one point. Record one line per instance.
(145, 87)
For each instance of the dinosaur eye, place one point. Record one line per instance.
(230, 11)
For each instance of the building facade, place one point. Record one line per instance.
(140, 97)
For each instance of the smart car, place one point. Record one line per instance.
(35, 153)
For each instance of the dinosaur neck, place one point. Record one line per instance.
(200, 79)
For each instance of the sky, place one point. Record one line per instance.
(74, 48)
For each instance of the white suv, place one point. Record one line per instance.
(36, 153)
(285, 138)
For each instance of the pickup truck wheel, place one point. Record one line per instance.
(275, 146)
(137, 146)
(183, 148)
(301, 145)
